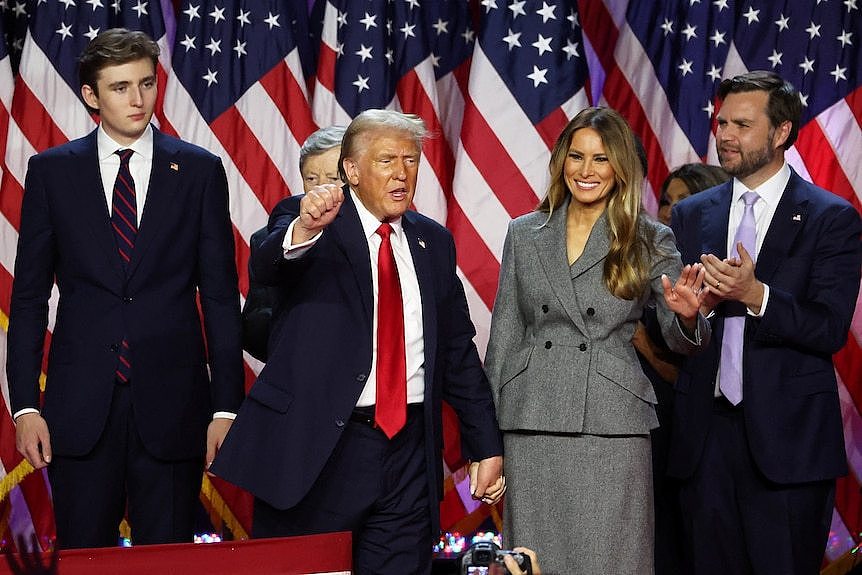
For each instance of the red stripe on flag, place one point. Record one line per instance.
(326, 67)
(619, 94)
(242, 253)
(854, 101)
(848, 364)
(165, 125)
(249, 376)
(452, 509)
(476, 261)
(10, 199)
(493, 162)
(5, 291)
(250, 158)
(34, 488)
(549, 129)
(33, 119)
(822, 165)
(287, 95)
(849, 504)
(451, 438)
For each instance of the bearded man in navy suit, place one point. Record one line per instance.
(757, 433)
(314, 441)
(134, 227)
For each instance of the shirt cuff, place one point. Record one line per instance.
(295, 251)
(224, 415)
(763, 304)
(21, 412)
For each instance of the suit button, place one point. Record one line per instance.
(544, 309)
(548, 345)
(361, 377)
(591, 312)
(127, 299)
(582, 347)
(339, 423)
(114, 347)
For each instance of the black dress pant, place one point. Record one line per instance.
(739, 522)
(376, 488)
(92, 493)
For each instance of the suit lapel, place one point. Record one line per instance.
(550, 243)
(94, 213)
(350, 238)
(789, 218)
(161, 189)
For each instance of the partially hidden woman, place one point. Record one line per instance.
(574, 406)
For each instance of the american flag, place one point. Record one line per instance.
(496, 80)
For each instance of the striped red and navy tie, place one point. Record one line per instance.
(124, 220)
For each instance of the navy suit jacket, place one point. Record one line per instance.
(184, 247)
(258, 310)
(810, 258)
(320, 357)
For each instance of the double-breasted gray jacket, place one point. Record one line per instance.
(560, 357)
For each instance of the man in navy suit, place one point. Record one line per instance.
(134, 228)
(759, 453)
(314, 441)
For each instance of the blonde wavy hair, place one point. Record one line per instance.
(626, 270)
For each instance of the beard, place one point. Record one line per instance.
(748, 162)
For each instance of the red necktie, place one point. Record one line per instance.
(124, 220)
(391, 411)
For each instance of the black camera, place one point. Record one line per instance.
(483, 554)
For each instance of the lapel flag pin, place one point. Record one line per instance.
(797, 217)
(175, 166)
(421, 242)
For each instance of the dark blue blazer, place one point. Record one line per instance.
(320, 357)
(810, 258)
(184, 248)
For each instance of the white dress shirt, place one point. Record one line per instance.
(140, 165)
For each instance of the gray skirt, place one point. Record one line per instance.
(584, 503)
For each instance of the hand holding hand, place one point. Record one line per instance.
(33, 439)
(486, 479)
(317, 209)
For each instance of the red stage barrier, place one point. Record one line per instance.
(329, 553)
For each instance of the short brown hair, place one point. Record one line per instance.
(784, 104)
(111, 48)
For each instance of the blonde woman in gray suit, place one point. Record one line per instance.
(574, 406)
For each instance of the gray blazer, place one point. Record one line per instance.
(560, 357)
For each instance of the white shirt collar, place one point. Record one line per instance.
(369, 221)
(107, 145)
(769, 191)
